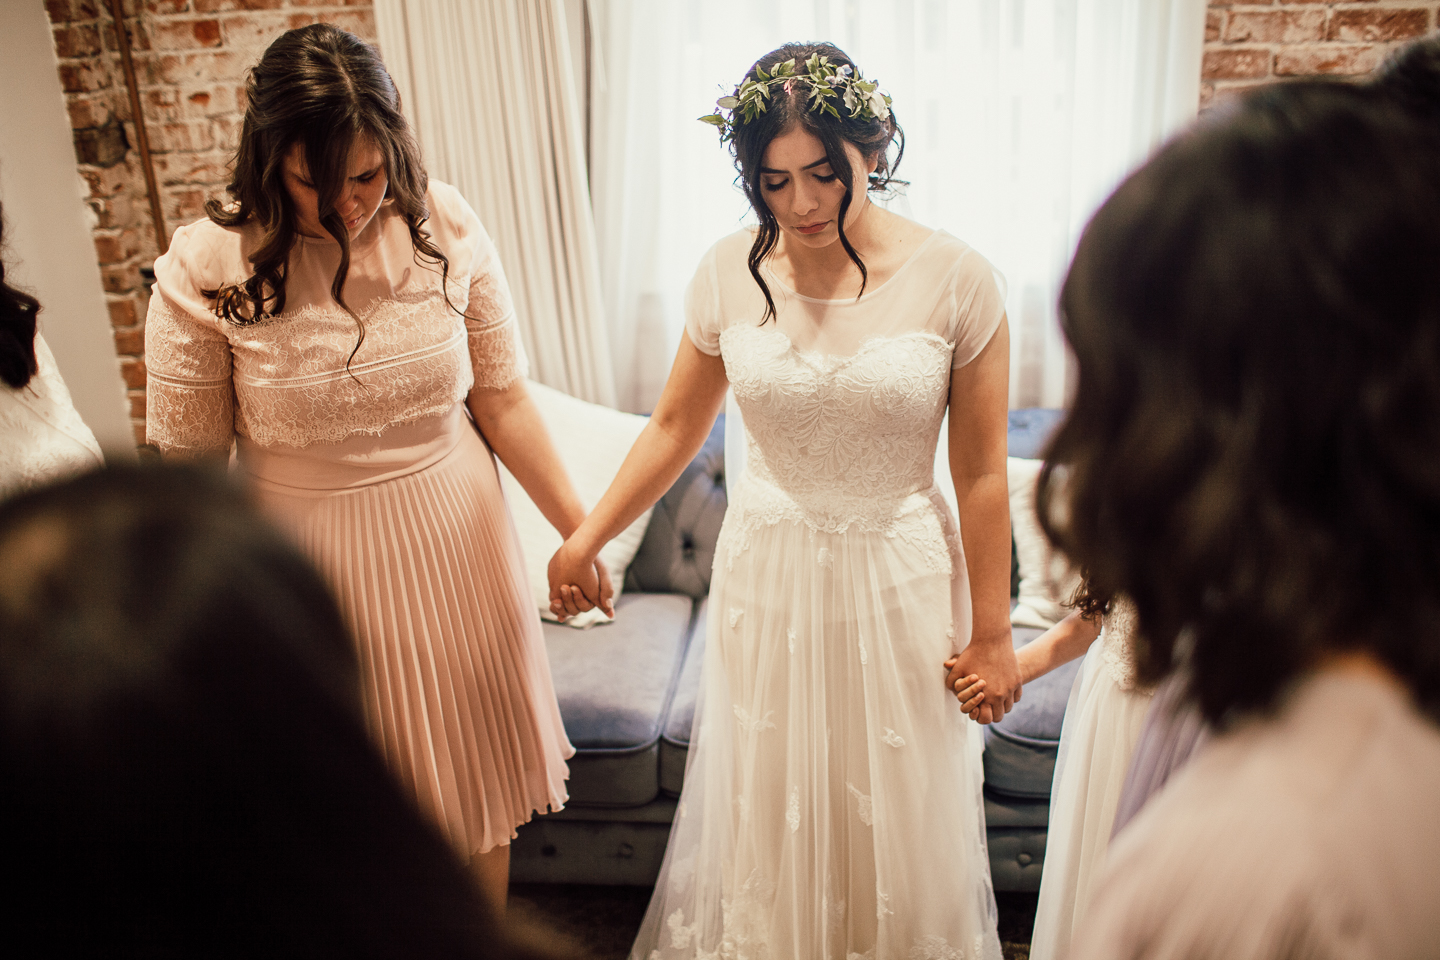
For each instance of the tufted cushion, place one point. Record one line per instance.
(614, 684)
(675, 742)
(679, 546)
(1029, 431)
(1020, 750)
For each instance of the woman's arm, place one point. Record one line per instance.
(979, 398)
(675, 433)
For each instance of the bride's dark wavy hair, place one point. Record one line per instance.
(327, 90)
(785, 109)
(1253, 451)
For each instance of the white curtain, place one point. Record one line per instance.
(491, 92)
(1020, 116)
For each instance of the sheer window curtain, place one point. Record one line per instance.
(1020, 116)
(490, 90)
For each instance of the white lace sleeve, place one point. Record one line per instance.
(702, 322)
(189, 398)
(978, 297)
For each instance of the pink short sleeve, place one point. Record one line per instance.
(189, 397)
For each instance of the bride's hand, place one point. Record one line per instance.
(579, 583)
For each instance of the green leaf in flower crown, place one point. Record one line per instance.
(760, 73)
(728, 103)
(713, 118)
(812, 63)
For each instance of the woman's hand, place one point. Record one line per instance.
(993, 659)
(579, 583)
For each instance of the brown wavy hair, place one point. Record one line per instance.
(873, 138)
(1253, 451)
(327, 90)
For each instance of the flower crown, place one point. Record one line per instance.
(828, 83)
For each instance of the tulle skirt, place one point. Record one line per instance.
(1102, 724)
(412, 533)
(832, 801)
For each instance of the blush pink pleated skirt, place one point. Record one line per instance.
(411, 531)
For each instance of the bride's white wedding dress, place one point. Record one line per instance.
(832, 804)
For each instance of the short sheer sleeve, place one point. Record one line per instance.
(497, 356)
(702, 307)
(189, 397)
(977, 305)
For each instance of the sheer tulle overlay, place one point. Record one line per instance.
(364, 454)
(1102, 725)
(832, 801)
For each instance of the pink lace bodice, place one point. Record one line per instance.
(292, 380)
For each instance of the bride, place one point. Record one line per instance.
(832, 803)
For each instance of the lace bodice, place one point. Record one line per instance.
(292, 379)
(843, 400)
(42, 437)
(1117, 646)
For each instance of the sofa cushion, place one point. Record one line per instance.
(1020, 750)
(1029, 430)
(679, 546)
(675, 741)
(614, 683)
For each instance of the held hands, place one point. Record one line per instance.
(986, 679)
(579, 583)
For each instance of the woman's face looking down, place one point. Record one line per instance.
(803, 191)
(360, 197)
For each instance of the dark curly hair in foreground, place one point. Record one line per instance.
(18, 311)
(187, 771)
(1253, 453)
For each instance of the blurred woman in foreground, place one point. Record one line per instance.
(1253, 456)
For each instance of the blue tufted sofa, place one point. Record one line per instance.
(627, 694)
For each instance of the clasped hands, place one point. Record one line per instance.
(579, 583)
(986, 679)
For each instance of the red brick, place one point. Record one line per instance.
(120, 278)
(176, 169)
(1378, 26)
(1327, 59)
(68, 11)
(255, 31)
(130, 342)
(1235, 64)
(109, 248)
(360, 22)
(85, 76)
(123, 312)
(1214, 21)
(185, 205)
(88, 111)
(77, 41)
(176, 69)
(133, 373)
(137, 34)
(1277, 26)
(185, 34)
(217, 6)
(165, 7)
(137, 407)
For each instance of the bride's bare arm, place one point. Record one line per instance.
(682, 419)
(979, 397)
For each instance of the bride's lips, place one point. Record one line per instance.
(812, 228)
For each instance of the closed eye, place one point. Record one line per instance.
(776, 185)
(827, 178)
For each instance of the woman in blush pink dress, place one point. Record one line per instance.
(335, 322)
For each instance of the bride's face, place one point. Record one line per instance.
(360, 197)
(802, 190)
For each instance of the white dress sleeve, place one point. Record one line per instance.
(702, 307)
(977, 304)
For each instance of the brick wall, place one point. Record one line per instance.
(1253, 43)
(190, 60)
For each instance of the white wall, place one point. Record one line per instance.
(49, 251)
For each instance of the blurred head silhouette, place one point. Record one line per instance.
(186, 768)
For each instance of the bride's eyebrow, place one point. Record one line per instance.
(780, 173)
